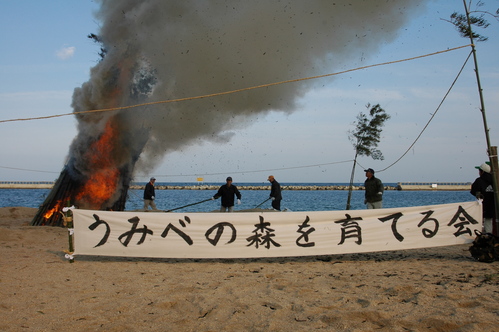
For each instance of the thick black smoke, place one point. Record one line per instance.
(160, 50)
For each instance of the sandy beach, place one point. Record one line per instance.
(433, 289)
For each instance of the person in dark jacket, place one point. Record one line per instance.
(227, 192)
(483, 189)
(374, 190)
(275, 193)
(149, 195)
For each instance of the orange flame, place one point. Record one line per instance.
(104, 176)
(57, 207)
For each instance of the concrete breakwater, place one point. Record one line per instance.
(50, 184)
(434, 186)
(283, 187)
(407, 186)
(26, 184)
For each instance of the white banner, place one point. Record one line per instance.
(272, 234)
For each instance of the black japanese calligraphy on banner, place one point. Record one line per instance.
(272, 234)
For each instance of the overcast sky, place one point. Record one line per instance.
(46, 54)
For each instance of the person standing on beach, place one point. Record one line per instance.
(227, 192)
(483, 189)
(275, 193)
(374, 190)
(149, 195)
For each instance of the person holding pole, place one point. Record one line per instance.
(227, 192)
(149, 195)
(275, 193)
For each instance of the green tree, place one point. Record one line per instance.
(365, 138)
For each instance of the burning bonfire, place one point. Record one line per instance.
(102, 157)
(105, 188)
(154, 51)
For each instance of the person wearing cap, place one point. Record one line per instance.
(374, 190)
(483, 189)
(275, 193)
(227, 192)
(149, 195)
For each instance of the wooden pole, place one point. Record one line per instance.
(350, 187)
(181, 207)
(495, 176)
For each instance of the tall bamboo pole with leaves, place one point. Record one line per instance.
(365, 138)
(464, 24)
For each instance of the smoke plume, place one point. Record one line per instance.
(159, 50)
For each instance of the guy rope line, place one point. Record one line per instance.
(29, 170)
(432, 116)
(258, 171)
(208, 174)
(234, 91)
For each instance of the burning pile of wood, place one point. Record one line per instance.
(67, 191)
(97, 178)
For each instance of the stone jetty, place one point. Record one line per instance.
(262, 187)
(26, 184)
(50, 184)
(407, 186)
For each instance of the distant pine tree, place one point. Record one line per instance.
(365, 138)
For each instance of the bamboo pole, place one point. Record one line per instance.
(491, 150)
(495, 177)
(68, 222)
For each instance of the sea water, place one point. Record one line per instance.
(293, 200)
